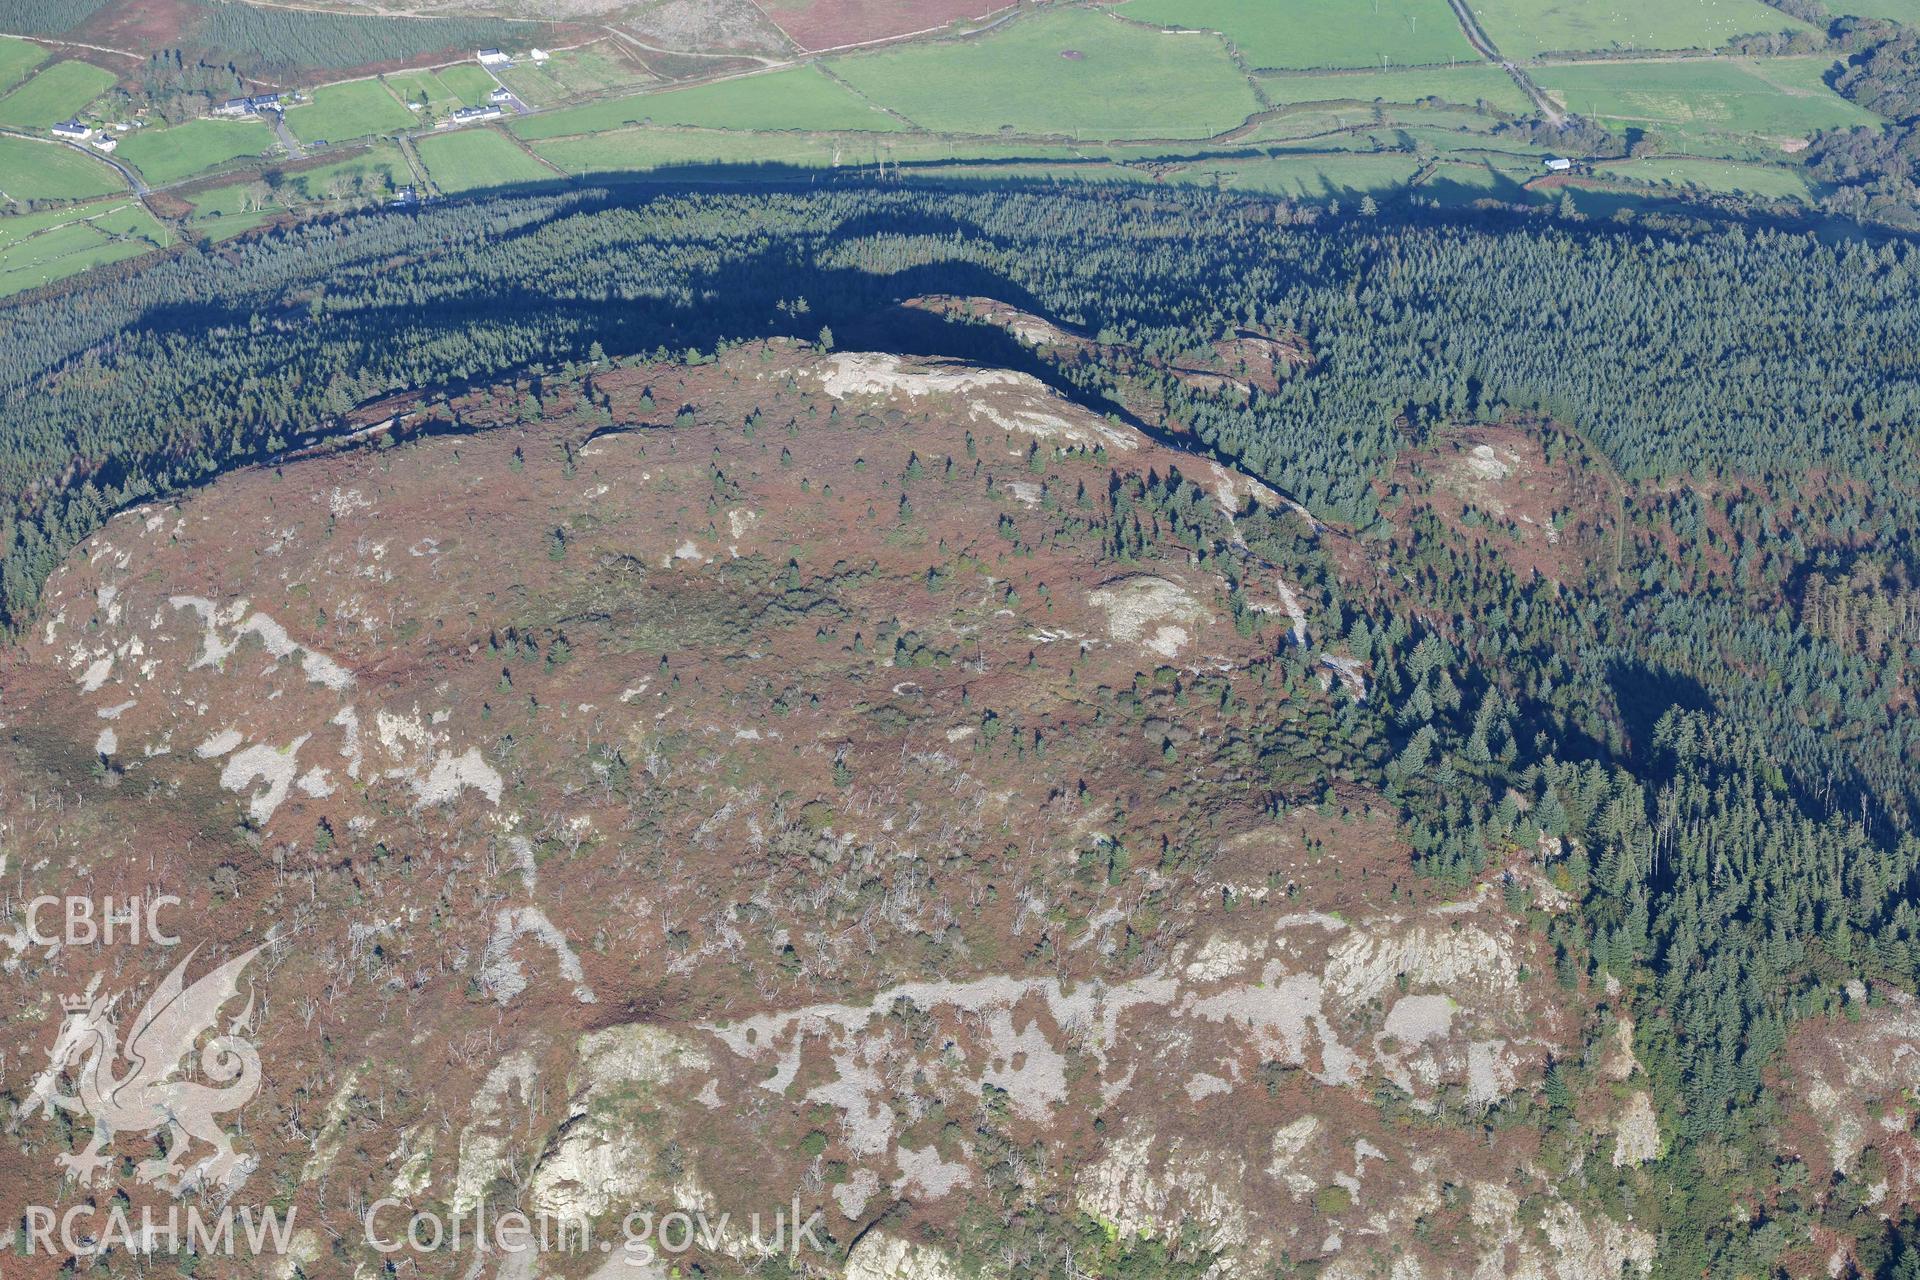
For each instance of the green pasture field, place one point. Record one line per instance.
(478, 157)
(380, 168)
(371, 175)
(1466, 85)
(222, 212)
(803, 98)
(227, 226)
(222, 202)
(469, 81)
(1125, 80)
(640, 150)
(1309, 177)
(15, 227)
(1299, 123)
(132, 219)
(31, 170)
(53, 94)
(1769, 181)
(168, 154)
(1100, 171)
(422, 86)
(1527, 28)
(569, 73)
(1444, 142)
(1780, 96)
(1906, 11)
(357, 109)
(117, 233)
(17, 57)
(1320, 33)
(1463, 180)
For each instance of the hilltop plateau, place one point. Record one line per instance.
(872, 779)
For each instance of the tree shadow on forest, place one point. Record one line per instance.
(1644, 693)
(739, 300)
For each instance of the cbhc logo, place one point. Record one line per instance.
(85, 922)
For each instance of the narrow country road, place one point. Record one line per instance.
(285, 135)
(1470, 25)
(134, 180)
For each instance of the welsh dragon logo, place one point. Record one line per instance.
(147, 1097)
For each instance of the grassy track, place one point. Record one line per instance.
(640, 150)
(1073, 71)
(1345, 177)
(17, 227)
(1320, 33)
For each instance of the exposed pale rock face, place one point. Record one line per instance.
(1364, 965)
(1636, 1132)
(1290, 1142)
(1619, 1064)
(190, 652)
(500, 970)
(1842, 1065)
(216, 648)
(1589, 1251)
(1218, 958)
(1153, 612)
(600, 1162)
(1015, 402)
(884, 1257)
(484, 1142)
(1152, 1196)
(1417, 1019)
